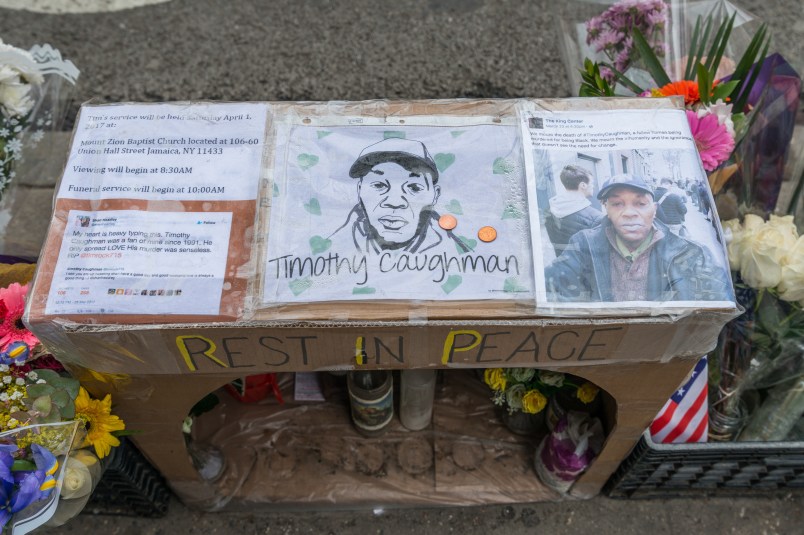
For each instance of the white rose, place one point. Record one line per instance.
(763, 250)
(551, 378)
(22, 62)
(791, 287)
(514, 397)
(733, 234)
(77, 480)
(15, 99)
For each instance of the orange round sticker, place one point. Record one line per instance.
(487, 234)
(447, 222)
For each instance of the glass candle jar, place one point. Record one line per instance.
(416, 398)
(371, 396)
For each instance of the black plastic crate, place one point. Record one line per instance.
(717, 469)
(130, 486)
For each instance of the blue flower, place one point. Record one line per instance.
(16, 353)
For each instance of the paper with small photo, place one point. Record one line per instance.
(622, 215)
(431, 209)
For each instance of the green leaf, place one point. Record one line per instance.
(68, 412)
(43, 405)
(718, 48)
(650, 60)
(21, 465)
(722, 91)
(624, 79)
(48, 375)
(745, 90)
(68, 385)
(35, 391)
(52, 418)
(126, 433)
(592, 84)
(61, 400)
(704, 84)
(741, 72)
(693, 43)
(699, 53)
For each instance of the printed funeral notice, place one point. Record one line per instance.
(136, 262)
(181, 152)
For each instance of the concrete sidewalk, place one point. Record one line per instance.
(353, 50)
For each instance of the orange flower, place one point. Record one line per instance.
(685, 88)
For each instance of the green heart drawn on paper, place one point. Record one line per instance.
(512, 285)
(443, 160)
(299, 286)
(306, 161)
(363, 290)
(512, 212)
(313, 207)
(502, 166)
(456, 133)
(469, 242)
(323, 133)
(276, 190)
(453, 281)
(388, 134)
(318, 244)
(455, 207)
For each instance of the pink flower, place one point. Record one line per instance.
(12, 305)
(711, 138)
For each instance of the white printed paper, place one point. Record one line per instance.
(136, 262)
(621, 212)
(199, 151)
(356, 213)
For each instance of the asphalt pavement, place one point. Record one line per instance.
(355, 50)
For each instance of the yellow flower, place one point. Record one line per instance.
(533, 402)
(99, 421)
(587, 392)
(495, 379)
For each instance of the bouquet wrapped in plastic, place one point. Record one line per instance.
(36, 88)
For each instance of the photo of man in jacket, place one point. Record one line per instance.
(571, 211)
(632, 256)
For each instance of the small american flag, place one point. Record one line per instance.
(684, 417)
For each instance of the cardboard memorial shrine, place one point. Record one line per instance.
(196, 243)
(199, 222)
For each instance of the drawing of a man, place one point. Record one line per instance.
(632, 256)
(397, 188)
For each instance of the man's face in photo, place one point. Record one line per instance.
(393, 198)
(631, 212)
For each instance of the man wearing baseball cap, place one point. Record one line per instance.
(631, 256)
(397, 188)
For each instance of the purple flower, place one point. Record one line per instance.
(19, 489)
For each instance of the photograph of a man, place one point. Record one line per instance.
(632, 256)
(571, 211)
(397, 188)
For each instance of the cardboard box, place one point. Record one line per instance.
(158, 365)
(274, 453)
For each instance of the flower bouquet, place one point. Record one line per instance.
(764, 347)
(38, 400)
(36, 87)
(741, 113)
(526, 393)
